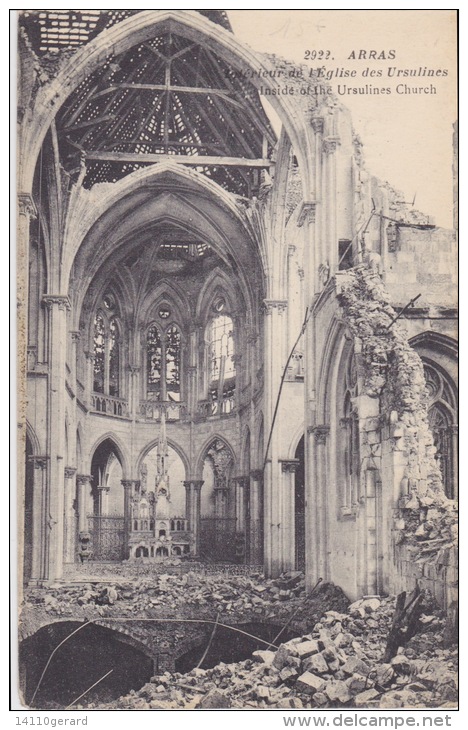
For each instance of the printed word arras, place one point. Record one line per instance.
(363, 55)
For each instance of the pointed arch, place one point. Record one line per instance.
(118, 447)
(170, 442)
(206, 446)
(137, 29)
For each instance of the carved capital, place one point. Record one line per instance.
(39, 462)
(289, 465)
(75, 335)
(291, 250)
(330, 144)
(70, 472)
(257, 475)
(61, 300)
(307, 212)
(317, 124)
(126, 483)
(195, 483)
(26, 205)
(134, 369)
(241, 481)
(275, 304)
(83, 479)
(320, 434)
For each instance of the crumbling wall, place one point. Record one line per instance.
(420, 518)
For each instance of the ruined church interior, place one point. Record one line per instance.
(220, 377)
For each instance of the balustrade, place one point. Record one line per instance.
(107, 404)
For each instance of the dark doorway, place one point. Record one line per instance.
(299, 507)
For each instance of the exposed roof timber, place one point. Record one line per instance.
(90, 122)
(238, 134)
(197, 160)
(266, 129)
(170, 88)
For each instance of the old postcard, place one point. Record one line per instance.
(237, 366)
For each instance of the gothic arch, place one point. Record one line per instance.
(178, 449)
(137, 29)
(294, 442)
(173, 295)
(220, 283)
(35, 445)
(203, 452)
(119, 450)
(336, 342)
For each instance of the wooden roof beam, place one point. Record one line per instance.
(195, 160)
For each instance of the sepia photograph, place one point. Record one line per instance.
(237, 380)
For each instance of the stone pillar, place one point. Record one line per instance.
(275, 325)
(240, 486)
(69, 515)
(89, 379)
(321, 254)
(39, 517)
(317, 509)
(193, 499)
(75, 338)
(197, 485)
(128, 487)
(134, 390)
(288, 535)
(83, 482)
(329, 148)
(57, 306)
(256, 517)
(26, 211)
(188, 503)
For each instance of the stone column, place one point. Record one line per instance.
(83, 482)
(128, 487)
(240, 485)
(39, 517)
(188, 503)
(321, 254)
(134, 390)
(193, 499)
(89, 379)
(75, 338)
(329, 148)
(288, 535)
(69, 515)
(197, 485)
(57, 306)
(275, 324)
(316, 498)
(256, 517)
(26, 211)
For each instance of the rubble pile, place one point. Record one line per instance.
(338, 664)
(189, 595)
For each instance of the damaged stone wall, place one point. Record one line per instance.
(424, 524)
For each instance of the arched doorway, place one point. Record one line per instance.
(218, 510)
(299, 507)
(106, 517)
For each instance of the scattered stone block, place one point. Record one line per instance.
(310, 683)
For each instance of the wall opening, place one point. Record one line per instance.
(84, 658)
(229, 646)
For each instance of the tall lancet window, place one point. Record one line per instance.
(99, 353)
(114, 358)
(222, 368)
(107, 341)
(163, 363)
